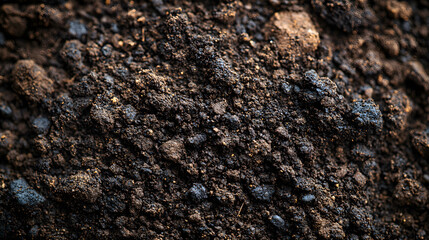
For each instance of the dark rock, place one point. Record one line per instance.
(41, 124)
(343, 14)
(277, 221)
(367, 114)
(72, 54)
(322, 86)
(197, 192)
(197, 139)
(287, 88)
(232, 120)
(222, 72)
(5, 110)
(129, 113)
(77, 29)
(107, 50)
(361, 218)
(263, 193)
(25, 194)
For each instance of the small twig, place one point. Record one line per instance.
(239, 211)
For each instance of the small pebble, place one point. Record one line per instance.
(173, 150)
(308, 198)
(277, 221)
(5, 110)
(25, 194)
(77, 29)
(107, 50)
(41, 124)
(286, 88)
(197, 192)
(263, 193)
(197, 139)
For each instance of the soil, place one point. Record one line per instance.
(227, 119)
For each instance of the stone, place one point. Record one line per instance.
(295, 32)
(197, 192)
(25, 194)
(173, 150)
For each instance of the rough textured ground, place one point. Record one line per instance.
(176, 119)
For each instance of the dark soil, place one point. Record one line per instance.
(181, 119)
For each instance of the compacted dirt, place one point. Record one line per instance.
(180, 119)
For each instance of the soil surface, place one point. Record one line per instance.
(181, 119)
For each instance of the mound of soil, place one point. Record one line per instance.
(227, 119)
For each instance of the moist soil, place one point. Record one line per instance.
(181, 119)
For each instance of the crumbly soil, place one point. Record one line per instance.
(227, 119)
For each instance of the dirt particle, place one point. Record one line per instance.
(31, 80)
(360, 179)
(82, 186)
(390, 46)
(397, 109)
(362, 153)
(399, 9)
(173, 150)
(197, 139)
(7, 141)
(14, 25)
(5, 110)
(72, 54)
(343, 14)
(331, 230)
(102, 115)
(418, 74)
(421, 142)
(294, 32)
(220, 107)
(411, 192)
(367, 114)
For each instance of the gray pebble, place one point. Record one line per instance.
(5, 110)
(197, 192)
(25, 194)
(77, 29)
(308, 198)
(41, 124)
(263, 193)
(277, 221)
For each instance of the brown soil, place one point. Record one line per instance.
(181, 119)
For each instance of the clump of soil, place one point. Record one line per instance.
(173, 119)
